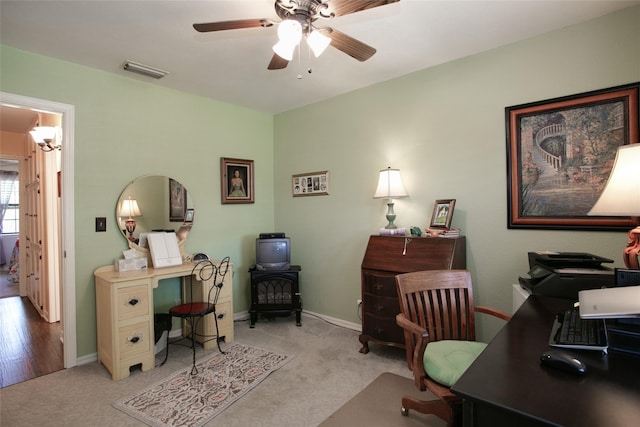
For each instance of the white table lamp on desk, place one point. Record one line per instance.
(621, 197)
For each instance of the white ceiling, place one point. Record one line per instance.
(231, 66)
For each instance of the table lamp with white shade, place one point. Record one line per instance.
(621, 197)
(130, 209)
(390, 187)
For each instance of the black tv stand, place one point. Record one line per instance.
(275, 293)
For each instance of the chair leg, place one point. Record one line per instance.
(436, 407)
(215, 317)
(166, 351)
(194, 325)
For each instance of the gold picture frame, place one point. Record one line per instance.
(236, 181)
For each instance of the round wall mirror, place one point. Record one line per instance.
(154, 203)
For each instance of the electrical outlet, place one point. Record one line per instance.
(358, 302)
(101, 223)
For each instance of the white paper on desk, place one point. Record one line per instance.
(132, 254)
(164, 249)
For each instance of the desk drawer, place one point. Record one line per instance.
(134, 339)
(381, 306)
(379, 283)
(132, 302)
(382, 328)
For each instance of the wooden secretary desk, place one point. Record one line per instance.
(384, 258)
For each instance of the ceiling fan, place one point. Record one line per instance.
(298, 20)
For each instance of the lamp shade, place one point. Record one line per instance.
(130, 208)
(318, 42)
(42, 134)
(621, 195)
(284, 50)
(290, 31)
(390, 185)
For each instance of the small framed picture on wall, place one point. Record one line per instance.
(310, 184)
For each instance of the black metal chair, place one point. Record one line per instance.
(194, 311)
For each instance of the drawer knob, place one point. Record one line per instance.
(377, 286)
(133, 301)
(221, 315)
(134, 339)
(379, 307)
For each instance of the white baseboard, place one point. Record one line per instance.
(334, 321)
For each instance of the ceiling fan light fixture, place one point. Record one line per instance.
(284, 50)
(290, 31)
(318, 42)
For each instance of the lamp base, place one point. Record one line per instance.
(130, 225)
(631, 252)
(391, 216)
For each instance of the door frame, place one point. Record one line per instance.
(67, 111)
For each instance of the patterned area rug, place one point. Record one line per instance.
(192, 400)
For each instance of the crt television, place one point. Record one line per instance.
(273, 253)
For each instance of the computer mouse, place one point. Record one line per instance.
(564, 361)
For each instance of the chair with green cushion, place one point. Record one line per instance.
(437, 315)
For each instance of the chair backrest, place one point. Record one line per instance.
(218, 280)
(440, 301)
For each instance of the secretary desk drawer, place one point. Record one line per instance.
(132, 302)
(379, 283)
(381, 306)
(383, 328)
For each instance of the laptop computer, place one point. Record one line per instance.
(610, 303)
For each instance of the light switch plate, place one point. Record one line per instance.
(101, 223)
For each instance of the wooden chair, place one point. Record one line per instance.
(436, 305)
(195, 310)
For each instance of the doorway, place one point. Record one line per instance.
(65, 185)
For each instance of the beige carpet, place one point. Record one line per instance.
(378, 405)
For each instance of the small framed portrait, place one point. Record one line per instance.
(188, 218)
(237, 181)
(177, 201)
(310, 184)
(442, 214)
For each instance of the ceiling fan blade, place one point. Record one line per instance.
(344, 7)
(232, 25)
(347, 44)
(277, 63)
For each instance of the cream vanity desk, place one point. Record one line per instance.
(124, 312)
(124, 300)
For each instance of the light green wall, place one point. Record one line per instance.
(126, 128)
(444, 128)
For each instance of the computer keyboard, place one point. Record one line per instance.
(571, 331)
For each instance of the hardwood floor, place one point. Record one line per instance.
(30, 347)
(7, 289)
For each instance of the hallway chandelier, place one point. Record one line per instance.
(45, 137)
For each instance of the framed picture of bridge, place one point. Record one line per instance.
(560, 153)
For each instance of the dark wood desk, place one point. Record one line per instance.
(506, 386)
